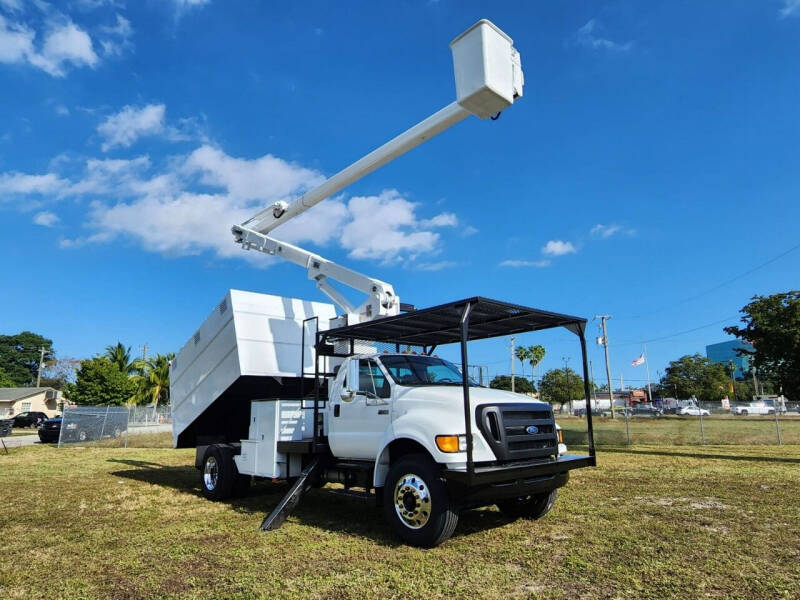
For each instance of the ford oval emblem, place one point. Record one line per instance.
(532, 429)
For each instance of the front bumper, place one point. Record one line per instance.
(48, 437)
(495, 482)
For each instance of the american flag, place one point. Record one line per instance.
(638, 361)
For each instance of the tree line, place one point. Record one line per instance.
(770, 325)
(112, 378)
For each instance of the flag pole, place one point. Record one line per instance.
(647, 364)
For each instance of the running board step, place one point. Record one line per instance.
(287, 504)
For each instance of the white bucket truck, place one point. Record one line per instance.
(283, 388)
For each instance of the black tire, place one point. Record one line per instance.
(413, 484)
(743, 413)
(528, 507)
(217, 474)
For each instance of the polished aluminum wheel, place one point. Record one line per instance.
(210, 473)
(412, 501)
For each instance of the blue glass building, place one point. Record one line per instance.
(726, 351)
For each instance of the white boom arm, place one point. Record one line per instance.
(488, 79)
(381, 299)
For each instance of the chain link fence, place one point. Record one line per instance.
(686, 423)
(113, 426)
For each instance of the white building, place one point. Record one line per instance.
(14, 401)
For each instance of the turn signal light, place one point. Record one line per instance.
(560, 436)
(448, 443)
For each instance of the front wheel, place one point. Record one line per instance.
(416, 503)
(528, 507)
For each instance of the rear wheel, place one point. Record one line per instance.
(219, 476)
(416, 503)
(743, 413)
(528, 507)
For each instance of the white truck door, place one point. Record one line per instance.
(357, 425)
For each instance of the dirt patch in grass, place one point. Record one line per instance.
(649, 522)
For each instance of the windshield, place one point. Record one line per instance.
(410, 369)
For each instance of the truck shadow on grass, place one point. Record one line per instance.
(331, 508)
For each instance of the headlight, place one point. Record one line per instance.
(451, 443)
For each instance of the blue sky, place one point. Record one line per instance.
(652, 160)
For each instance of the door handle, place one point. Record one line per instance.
(336, 408)
(383, 411)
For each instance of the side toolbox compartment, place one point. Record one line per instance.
(272, 421)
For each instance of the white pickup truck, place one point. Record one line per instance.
(754, 408)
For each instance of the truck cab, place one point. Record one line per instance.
(377, 399)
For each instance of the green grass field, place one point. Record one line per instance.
(649, 522)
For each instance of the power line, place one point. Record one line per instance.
(719, 285)
(679, 333)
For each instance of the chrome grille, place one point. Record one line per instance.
(518, 431)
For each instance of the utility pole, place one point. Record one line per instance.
(755, 384)
(603, 319)
(512, 363)
(41, 364)
(647, 365)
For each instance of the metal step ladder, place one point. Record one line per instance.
(288, 503)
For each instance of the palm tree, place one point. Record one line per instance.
(120, 356)
(535, 356)
(522, 355)
(153, 382)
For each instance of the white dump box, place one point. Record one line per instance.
(249, 348)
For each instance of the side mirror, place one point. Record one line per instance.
(351, 387)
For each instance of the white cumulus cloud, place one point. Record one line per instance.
(52, 45)
(64, 44)
(558, 248)
(46, 218)
(589, 36)
(790, 8)
(525, 263)
(187, 204)
(385, 227)
(24, 184)
(604, 231)
(117, 38)
(131, 123)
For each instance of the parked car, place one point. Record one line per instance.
(694, 411)
(49, 430)
(754, 408)
(645, 410)
(596, 412)
(85, 428)
(29, 419)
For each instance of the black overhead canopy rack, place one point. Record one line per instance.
(441, 324)
(462, 321)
